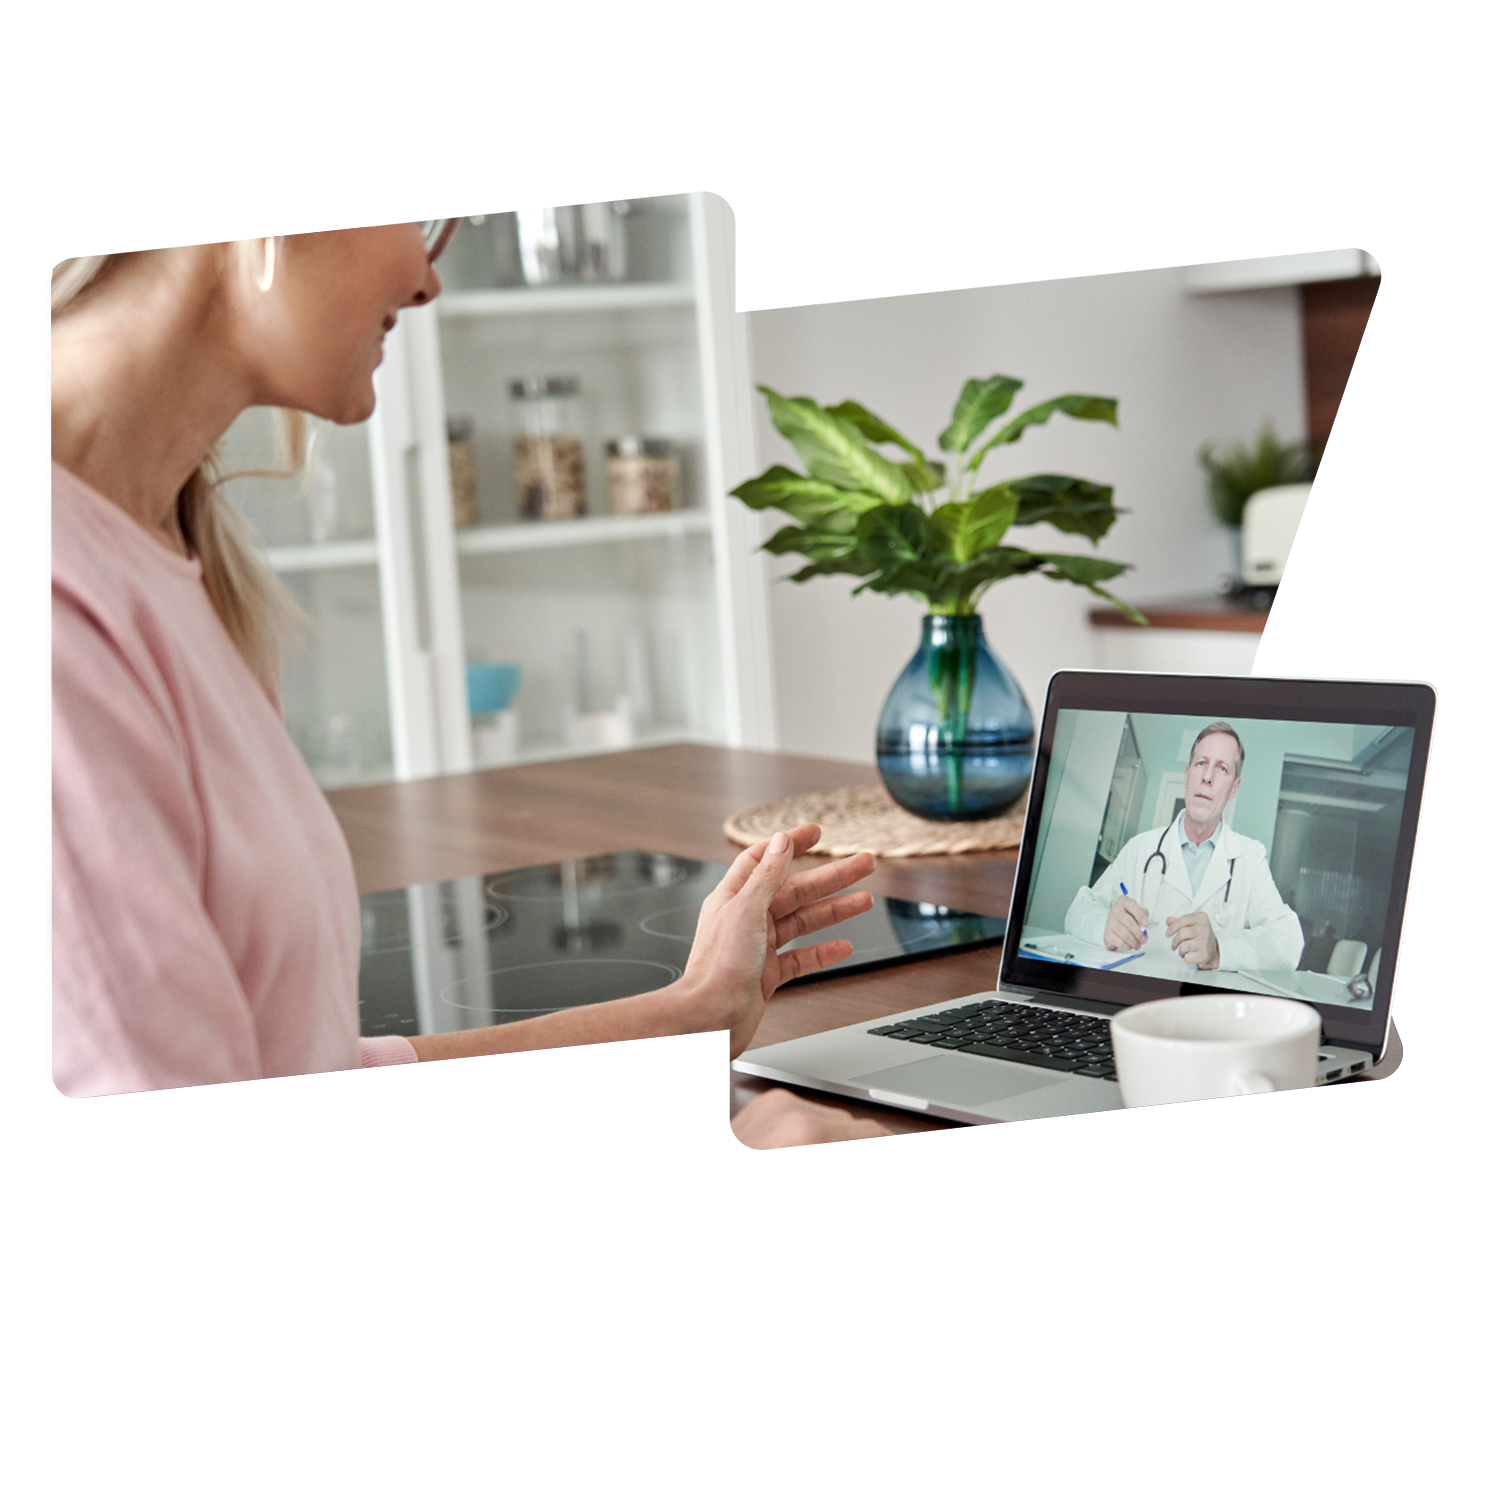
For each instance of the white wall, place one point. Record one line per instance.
(1185, 369)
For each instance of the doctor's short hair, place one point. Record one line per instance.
(1220, 727)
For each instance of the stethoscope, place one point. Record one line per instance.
(1221, 914)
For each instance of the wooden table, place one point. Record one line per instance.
(672, 798)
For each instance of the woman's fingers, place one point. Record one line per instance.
(748, 860)
(812, 885)
(770, 873)
(796, 962)
(803, 837)
(739, 872)
(822, 914)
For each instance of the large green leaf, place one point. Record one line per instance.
(807, 500)
(925, 474)
(970, 527)
(979, 403)
(916, 579)
(869, 426)
(952, 588)
(851, 564)
(1077, 506)
(833, 449)
(885, 537)
(1090, 572)
(991, 567)
(962, 586)
(1083, 570)
(780, 484)
(896, 532)
(1084, 408)
(812, 541)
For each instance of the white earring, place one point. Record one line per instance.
(268, 273)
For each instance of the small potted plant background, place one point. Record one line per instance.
(1234, 474)
(956, 739)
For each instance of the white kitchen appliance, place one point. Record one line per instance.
(1267, 530)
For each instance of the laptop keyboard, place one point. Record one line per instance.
(1061, 1040)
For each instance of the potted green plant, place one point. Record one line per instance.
(956, 737)
(1234, 474)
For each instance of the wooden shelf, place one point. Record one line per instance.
(617, 296)
(311, 557)
(528, 536)
(1203, 612)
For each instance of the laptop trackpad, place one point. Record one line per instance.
(962, 1081)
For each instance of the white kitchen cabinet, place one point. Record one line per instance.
(627, 629)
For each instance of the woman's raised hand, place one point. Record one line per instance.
(734, 967)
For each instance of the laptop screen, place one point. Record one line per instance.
(1190, 833)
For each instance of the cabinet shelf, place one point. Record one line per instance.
(485, 302)
(587, 530)
(311, 557)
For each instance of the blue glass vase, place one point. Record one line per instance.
(956, 739)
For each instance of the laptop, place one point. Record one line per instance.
(1282, 811)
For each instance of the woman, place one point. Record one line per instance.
(205, 917)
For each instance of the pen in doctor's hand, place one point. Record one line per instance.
(1124, 892)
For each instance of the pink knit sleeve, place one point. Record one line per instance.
(144, 994)
(382, 1051)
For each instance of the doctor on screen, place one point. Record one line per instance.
(1195, 888)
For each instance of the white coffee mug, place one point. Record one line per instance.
(1212, 1046)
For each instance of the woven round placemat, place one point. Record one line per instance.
(856, 818)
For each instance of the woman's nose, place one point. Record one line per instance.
(431, 285)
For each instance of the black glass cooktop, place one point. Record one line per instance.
(493, 948)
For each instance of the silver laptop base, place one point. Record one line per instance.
(956, 1086)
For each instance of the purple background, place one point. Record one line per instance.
(1343, 618)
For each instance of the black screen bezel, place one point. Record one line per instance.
(1397, 704)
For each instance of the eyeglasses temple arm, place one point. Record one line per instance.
(441, 234)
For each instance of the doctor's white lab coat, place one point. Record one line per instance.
(1256, 929)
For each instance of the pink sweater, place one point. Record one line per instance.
(205, 920)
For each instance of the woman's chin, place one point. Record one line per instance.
(361, 410)
(346, 409)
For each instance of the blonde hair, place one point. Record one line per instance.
(255, 607)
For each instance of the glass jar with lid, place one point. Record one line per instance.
(549, 451)
(642, 475)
